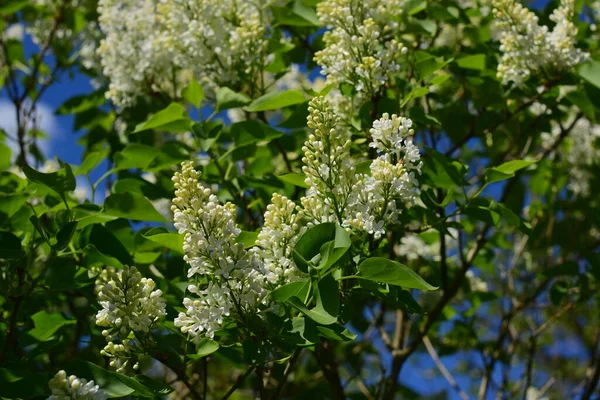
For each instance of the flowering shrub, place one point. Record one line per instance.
(301, 199)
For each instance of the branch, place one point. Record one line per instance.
(238, 382)
(329, 368)
(286, 373)
(443, 369)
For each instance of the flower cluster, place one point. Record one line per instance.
(426, 245)
(363, 201)
(276, 239)
(134, 53)
(162, 43)
(328, 168)
(65, 387)
(392, 176)
(216, 39)
(530, 48)
(130, 305)
(210, 232)
(580, 151)
(360, 49)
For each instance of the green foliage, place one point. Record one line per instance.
(495, 260)
(382, 270)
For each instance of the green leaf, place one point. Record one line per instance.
(511, 218)
(64, 235)
(327, 296)
(305, 12)
(47, 324)
(249, 132)
(60, 181)
(379, 269)
(35, 221)
(90, 162)
(193, 93)
(580, 99)
(227, 98)
(13, 6)
(412, 7)
(81, 103)
(295, 179)
(298, 15)
(94, 258)
(475, 61)
(442, 172)
(590, 71)
(5, 156)
(506, 170)
(297, 289)
(248, 239)
(427, 64)
(277, 100)
(204, 348)
(173, 118)
(135, 155)
(336, 332)
(146, 257)
(321, 246)
(297, 118)
(414, 94)
(319, 315)
(131, 206)
(333, 250)
(10, 204)
(155, 387)
(10, 246)
(107, 243)
(170, 240)
(31, 386)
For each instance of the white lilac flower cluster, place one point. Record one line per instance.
(280, 232)
(360, 47)
(162, 43)
(134, 52)
(65, 387)
(581, 149)
(414, 246)
(235, 283)
(392, 176)
(218, 40)
(130, 305)
(529, 48)
(362, 201)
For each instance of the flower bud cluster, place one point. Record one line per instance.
(208, 227)
(130, 306)
(235, 283)
(327, 164)
(360, 48)
(530, 48)
(65, 387)
(276, 239)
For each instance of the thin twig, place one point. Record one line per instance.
(240, 380)
(288, 369)
(442, 368)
